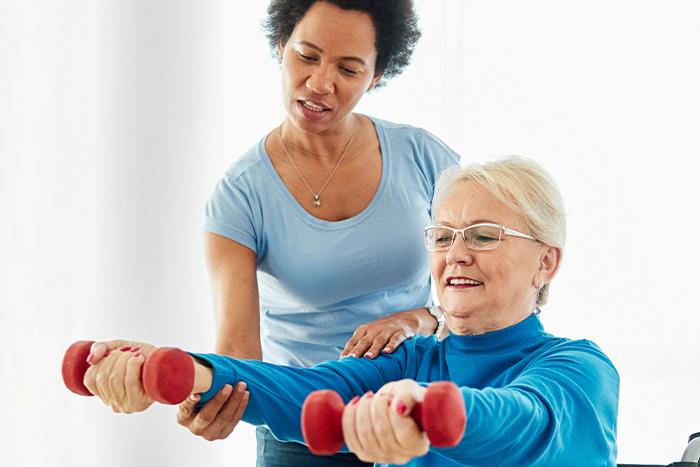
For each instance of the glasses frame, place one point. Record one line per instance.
(503, 229)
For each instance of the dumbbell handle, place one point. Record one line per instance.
(441, 415)
(168, 374)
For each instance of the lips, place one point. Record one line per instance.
(462, 282)
(316, 106)
(313, 110)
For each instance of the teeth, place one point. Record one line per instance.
(311, 106)
(463, 282)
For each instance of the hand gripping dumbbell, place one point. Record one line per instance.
(441, 415)
(167, 374)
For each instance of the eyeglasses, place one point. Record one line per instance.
(478, 237)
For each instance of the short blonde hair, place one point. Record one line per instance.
(522, 185)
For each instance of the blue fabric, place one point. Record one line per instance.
(274, 453)
(319, 280)
(532, 399)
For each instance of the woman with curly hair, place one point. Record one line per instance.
(313, 236)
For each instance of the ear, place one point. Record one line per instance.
(374, 81)
(280, 49)
(550, 258)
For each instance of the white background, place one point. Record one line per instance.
(117, 117)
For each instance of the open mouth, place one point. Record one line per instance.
(462, 283)
(313, 106)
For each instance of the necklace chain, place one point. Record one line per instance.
(317, 196)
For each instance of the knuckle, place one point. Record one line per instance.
(361, 329)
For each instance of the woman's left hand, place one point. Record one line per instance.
(386, 334)
(378, 428)
(114, 374)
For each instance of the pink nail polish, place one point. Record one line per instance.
(354, 400)
(135, 349)
(369, 394)
(126, 348)
(401, 408)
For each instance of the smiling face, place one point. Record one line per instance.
(482, 291)
(327, 66)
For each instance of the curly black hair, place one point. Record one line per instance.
(395, 23)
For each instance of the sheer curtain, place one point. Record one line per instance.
(118, 117)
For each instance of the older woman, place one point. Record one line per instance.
(531, 398)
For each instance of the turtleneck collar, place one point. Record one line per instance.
(501, 340)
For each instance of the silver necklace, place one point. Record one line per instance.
(317, 196)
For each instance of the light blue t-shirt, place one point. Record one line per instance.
(319, 280)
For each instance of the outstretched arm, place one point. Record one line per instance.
(277, 392)
(562, 410)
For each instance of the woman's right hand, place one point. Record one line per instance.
(218, 417)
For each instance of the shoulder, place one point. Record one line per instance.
(250, 166)
(412, 148)
(421, 138)
(581, 356)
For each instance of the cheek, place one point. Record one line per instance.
(437, 267)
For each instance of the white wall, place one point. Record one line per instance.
(117, 118)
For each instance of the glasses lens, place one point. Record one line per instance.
(438, 238)
(483, 237)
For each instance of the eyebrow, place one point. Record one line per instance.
(320, 50)
(478, 221)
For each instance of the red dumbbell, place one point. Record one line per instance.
(441, 415)
(167, 374)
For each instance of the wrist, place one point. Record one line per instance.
(203, 377)
(438, 318)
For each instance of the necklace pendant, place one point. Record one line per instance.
(317, 200)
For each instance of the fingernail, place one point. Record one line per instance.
(353, 355)
(194, 397)
(369, 355)
(126, 348)
(401, 408)
(386, 349)
(137, 354)
(227, 389)
(135, 349)
(369, 394)
(354, 400)
(90, 357)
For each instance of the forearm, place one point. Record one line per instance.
(277, 393)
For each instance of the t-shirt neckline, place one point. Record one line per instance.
(359, 217)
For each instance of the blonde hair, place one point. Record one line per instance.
(522, 185)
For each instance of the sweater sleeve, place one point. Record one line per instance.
(561, 410)
(277, 392)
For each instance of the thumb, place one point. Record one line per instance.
(99, 350)
(187, 406)
(406, 398)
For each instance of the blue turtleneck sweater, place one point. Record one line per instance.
(532, 399)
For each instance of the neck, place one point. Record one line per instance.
(473, 326)
(323, 147)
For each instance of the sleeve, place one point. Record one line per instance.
(277, 392)
(562, 410)
(229, 212)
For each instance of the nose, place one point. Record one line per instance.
(459, 253)
(321, 80)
